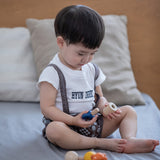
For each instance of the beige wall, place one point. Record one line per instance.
(143, 30)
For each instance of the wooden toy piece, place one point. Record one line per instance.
(110, 108)
(71, 155)
(91, 155)
(95, 111)
(88, 155)
(99, 156)
(90, 114)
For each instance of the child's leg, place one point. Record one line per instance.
(61, 135)
(127, 124)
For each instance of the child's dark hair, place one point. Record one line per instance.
(78, 23)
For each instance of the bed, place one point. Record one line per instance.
(21, 136)
(132, 69)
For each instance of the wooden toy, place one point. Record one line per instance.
(90, 114)
(99, 156)
(91, 155)
(71, 155)
(88, 155)
(110, 108)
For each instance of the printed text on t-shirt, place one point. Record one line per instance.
(81, 95)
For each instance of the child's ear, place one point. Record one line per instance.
(60, 41)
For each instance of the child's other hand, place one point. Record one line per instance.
(114, 115)
(102, 103)
(78, 121)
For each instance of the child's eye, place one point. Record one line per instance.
(80, 54)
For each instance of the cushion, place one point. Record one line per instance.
(17, 69)
(43, 41)
(113, 57)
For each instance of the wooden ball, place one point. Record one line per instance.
(71, 155)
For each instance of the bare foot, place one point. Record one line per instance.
(116, 145)
(135, 145)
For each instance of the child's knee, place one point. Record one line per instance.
(130, 110)
(53, 130)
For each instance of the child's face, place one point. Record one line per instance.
(76, 55)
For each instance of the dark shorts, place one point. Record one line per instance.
(94, 130)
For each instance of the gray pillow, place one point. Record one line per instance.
(17, 68)
(113, 57)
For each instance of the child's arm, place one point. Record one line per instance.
(47, 103)
(102, 100)
(103, 103)
(48, 96)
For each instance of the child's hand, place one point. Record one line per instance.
(114, 115)
(102, 103)
(78, 121)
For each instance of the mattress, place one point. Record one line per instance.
(21, 133)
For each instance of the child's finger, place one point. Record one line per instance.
(118, 111)
(93, 119)
(109, 117)
(113, 115)
(88, 123)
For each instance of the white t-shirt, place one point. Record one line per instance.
(79, 85)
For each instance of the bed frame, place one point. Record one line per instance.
(143, 30)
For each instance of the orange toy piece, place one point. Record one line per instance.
(99, 156)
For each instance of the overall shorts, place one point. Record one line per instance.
(92, 131)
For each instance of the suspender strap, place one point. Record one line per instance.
(96, 74)
(62, 84)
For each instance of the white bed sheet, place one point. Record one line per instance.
(21, 138)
